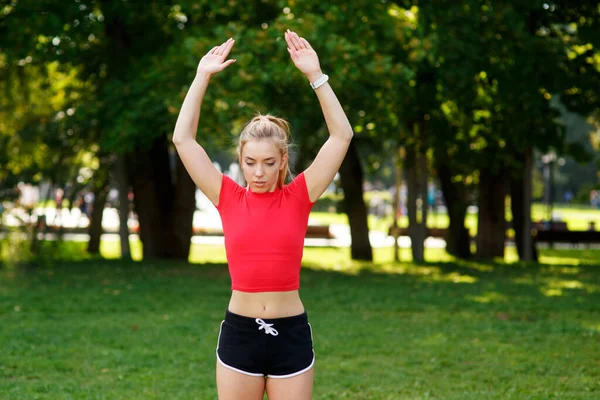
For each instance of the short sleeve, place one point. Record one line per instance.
(298, 189)
(228, 190)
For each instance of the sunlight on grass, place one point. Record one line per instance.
(332, 259)
(551, 283)
(563, 284)
(551, 292)
(559, 260)
(338, 259)
(207, 253)
(489, 297)
(511, 255)
(111, 249)
(593, 327)
(557, 287)
(564, 270)
(570, 256)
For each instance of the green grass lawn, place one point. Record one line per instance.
(106, 329)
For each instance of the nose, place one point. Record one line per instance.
(259, 171)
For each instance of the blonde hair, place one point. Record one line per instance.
(269, 127)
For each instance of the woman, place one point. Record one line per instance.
(265, 341)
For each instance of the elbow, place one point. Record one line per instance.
(343, 136)
(176, 140)
(348, 134)
(342, 132)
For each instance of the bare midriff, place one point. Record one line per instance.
(266, 304)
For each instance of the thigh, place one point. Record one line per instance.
(298, 387)
(232, 385)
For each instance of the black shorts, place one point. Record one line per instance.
(274, 348)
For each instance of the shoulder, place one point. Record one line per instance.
(229, 191)
(297, 188)
(296, 183)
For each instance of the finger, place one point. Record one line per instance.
(301, 43)
(223, 47)
(290, 36)
(291, 41)
(228, 63)
(296, 40)
(305, 42)
(288, 40)
(212, 51)
(228, 47)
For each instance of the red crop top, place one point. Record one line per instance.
(264, 235)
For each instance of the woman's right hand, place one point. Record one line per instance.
(214, 61)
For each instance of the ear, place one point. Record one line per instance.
(283, 162)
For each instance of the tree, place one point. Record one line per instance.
(493, 67)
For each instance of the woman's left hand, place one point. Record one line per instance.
(303, 56)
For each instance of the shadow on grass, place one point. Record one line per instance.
(464, 285)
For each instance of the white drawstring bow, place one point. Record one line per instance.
(267, 327)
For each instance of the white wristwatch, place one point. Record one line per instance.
(319, 82)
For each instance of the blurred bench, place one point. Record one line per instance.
(550, 226)
(318, 232)
(312, 232)
(557, 232)
(431, 232)
(566, 236)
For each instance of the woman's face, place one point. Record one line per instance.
(261, 163)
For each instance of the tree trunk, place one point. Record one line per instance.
(147, 187)
(351, 177)
(180, 227)
(416, 168)
(491, 222)
(118, 60)
(95, 228)
(520, 190)
(124, 206)
(164, 203)
(396, 202)
(458, 241)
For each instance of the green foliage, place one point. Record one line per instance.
(471, 69)
(329, 203)
(44, 135)
(480, 78)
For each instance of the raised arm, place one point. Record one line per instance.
(194, 157)
(327, 162)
